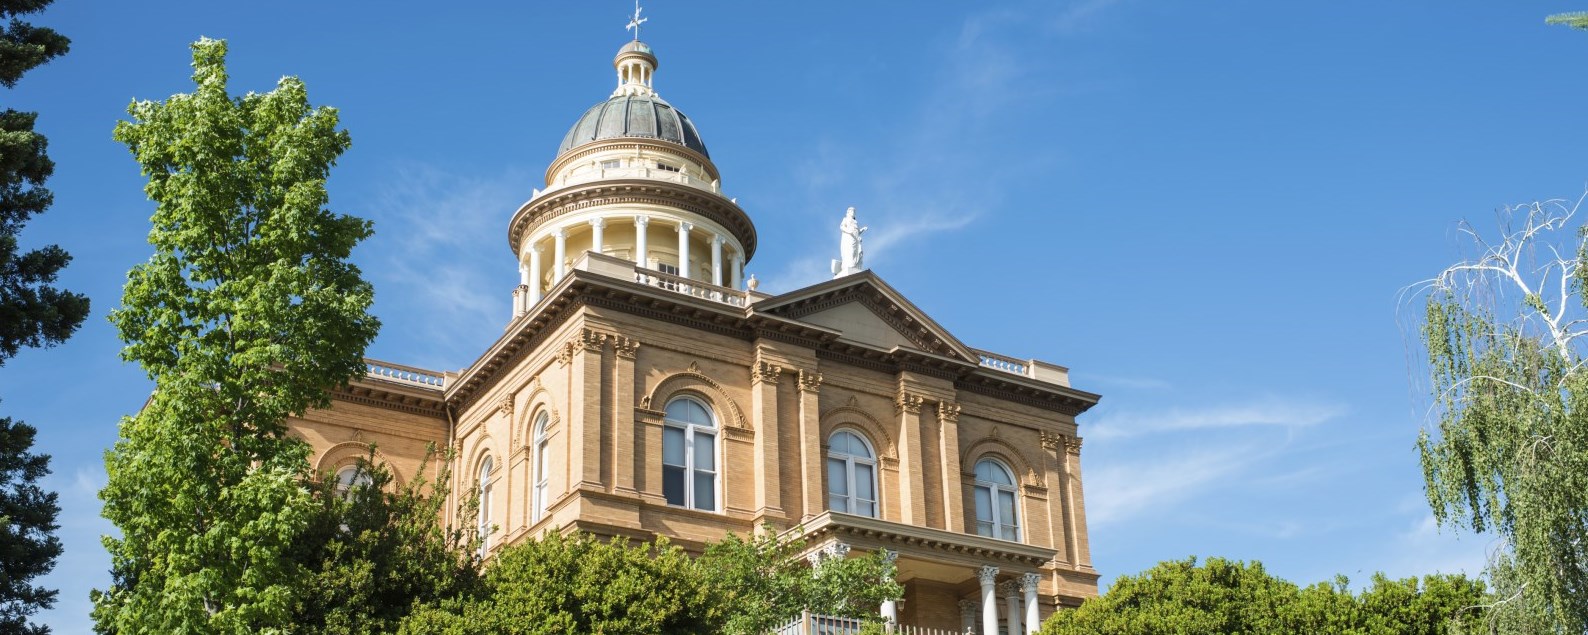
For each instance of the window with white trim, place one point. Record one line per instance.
(689, 455)
(485, 505)
(997, 501)
(542, 475)
(851, 475)
(351, 478)
(611, 163)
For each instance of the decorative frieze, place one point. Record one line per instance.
(1072, 445)
(810, 381)
(1050, 441)
(505, 406)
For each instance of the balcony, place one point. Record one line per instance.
(810, 624)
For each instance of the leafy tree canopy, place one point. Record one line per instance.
(1223, 596)
(247, 313)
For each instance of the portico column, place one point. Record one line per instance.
(967, 614)
(988, 575)
(890, 608)
(559, 255)
(683, 248)
(1012, 606)
(1028, 585)
(716, 259)
(597, 225)
(534, 275)
(640, 224)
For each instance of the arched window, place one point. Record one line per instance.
(997, 513)
(542, 475)
(689, 455)
(485, 505)
(351, 478)
(851, 475)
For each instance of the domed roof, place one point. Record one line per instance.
(640, 116)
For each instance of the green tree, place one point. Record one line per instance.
(1221, 596)
(767, 585)
(1575, 19)
(33, 313)
(247, 313)
(27, 529)
(1508, 451)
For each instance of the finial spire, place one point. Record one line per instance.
(636, 21)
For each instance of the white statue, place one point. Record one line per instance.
(849, 246)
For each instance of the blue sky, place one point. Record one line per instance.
(1206, 210)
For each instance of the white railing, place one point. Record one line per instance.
(693, 288)
(653, 174)
(811, 624)
(403, 374)
(999, 362)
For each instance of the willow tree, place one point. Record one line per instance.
(247, 313)
(1506, 446)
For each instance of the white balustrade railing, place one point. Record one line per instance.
(811, 624)
(403, 374)
(999, 362)
(653, 174)
(693, 288)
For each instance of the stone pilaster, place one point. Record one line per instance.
(948, 453)
(1076, 500)
(764, 377)
(912, 485)
(626, 450)
(810, 434)
(583, 354)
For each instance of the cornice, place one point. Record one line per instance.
(865, 531)
(555, 204)
(382, 394)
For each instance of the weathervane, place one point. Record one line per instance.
(636, 21)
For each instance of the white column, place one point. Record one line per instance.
(716, 259)
(683, 248)
(988, 575)
(736, 271)
(640, 224)
(890, 608)
(596, 227)
(559, 256)
(1028, 585)
(521, 294)
(534, 275)
(1012, 606)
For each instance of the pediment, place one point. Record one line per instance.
(864, 309)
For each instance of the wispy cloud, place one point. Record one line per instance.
(1270, 412)
(1122, 491)
(440, 284)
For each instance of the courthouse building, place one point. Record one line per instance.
(644, 388)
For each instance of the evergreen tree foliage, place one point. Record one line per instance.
(1509, 449)
(28, 546)
(247, 313)
(1182, 597)
(32, 311)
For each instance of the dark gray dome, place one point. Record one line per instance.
(634, 116)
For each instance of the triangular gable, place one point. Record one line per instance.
(866, 310)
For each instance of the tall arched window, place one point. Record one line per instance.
(542, 475)
(485, 505)
(689, 455)
(851, 475)
(351, 478)
(997, 513)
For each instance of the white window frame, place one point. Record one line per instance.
(542, 470)
(997, 528)
(851, 463)
(690, 430)
(351, 477)
(486, 467)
